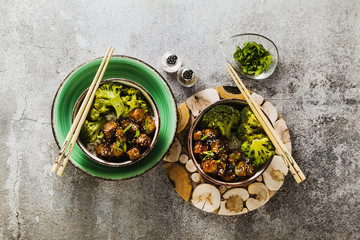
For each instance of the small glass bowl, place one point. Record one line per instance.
(228, 48)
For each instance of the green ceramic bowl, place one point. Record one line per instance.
(119, 67)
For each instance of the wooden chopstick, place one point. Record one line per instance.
(79, 120)
(275, 139)
(78, 116)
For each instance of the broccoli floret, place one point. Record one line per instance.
(143, 105)
(133, 100)
(91, 131)
(250, 125)
(101, 107)
(248, 117)
(130, 91)
(94, 115)
(223, 117)
(107, 97)
(245, 130)
(258, 148)
(112, 96)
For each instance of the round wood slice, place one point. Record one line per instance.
(204, 195)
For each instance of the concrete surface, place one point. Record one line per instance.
(316, 88)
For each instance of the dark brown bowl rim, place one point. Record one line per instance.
(129, 162)
(208, 177)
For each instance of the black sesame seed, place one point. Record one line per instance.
(188, 74)
(171, 59)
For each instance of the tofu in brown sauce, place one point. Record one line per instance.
(103, 150)
(134, 153)
(143, 140)
(209, 166)
(116, 150)
(109, 130)
(138, 115)
(200, 147)
(127, 138)
(148, 125)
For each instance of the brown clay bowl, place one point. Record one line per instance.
(237, 104)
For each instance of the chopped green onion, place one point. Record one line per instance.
(211, 153)
(137, 133)
(206, 157)
(127, 127)
(253, 58)
(125, 147)
(204, 137)
(147, 126)
(208, 154)
(119, 149)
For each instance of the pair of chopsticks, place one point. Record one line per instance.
(75, 128)
(270, 131)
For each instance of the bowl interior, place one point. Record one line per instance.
(237, 104)
(154, 112)
(229, 46)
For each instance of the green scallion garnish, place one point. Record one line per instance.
(206, 157)
(211, 153)
(127, 127)
(137, 134)
(125, 147)
(204, 137)
(253, 58)
(119, 149)
(147, 126)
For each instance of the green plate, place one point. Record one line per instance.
(119, 67)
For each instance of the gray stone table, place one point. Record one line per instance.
(315, 88)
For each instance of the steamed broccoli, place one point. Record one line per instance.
(130, 91)
(256, 144)
(94, 115)
(250, 125)
(248, 117)
(91, 131)
(245, 130)
(223, 117)
(107, 96)
(258, 148)
(132, 102)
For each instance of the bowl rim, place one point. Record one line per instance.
(241, 183)
(156, 116)
(261, 36)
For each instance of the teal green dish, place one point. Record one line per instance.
(119, 67)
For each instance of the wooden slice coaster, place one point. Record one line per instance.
(222, 200)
